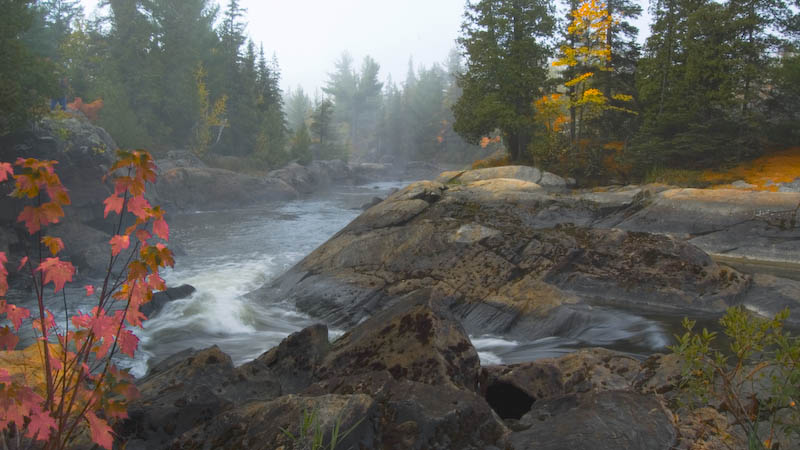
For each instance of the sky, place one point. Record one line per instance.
(308, 36)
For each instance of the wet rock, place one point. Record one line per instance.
(330, 172)
(371, 203)
(84, 153)
(504, 275)
(366, 172)
(295, 175)
(86, 247)
(264, 425)
(160, 299)
(595, 421)
(513, 389)
(770, 295)
(736, 223)
(292, 362)
(197, 188)
(179, 158)
(417, 340)
(178, 394)
(415, 415)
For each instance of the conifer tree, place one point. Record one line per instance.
(506, 43)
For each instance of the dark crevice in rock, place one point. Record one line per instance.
(508, 401)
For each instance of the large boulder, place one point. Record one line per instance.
(478, 253)
(522, 173)
(191, 388)
(279, 423)
(406, 379)
(417, 340)
(203, 188)
(84, 153)
(596, 421)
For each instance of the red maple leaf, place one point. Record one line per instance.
(101, 432)
(113, 203)
(161, 229)
(89, 289)
(138, 206)
(119, 243)
(57, 192)
(8, 340)
(155, 282)
(37, 217)
(40, 425)
(15, 313)
(143, 235)
(5, 170)
(56, 271)
(128, 342)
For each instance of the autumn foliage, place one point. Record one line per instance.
(65, 384)
(90, 110)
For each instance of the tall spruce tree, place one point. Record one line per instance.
(507, 47)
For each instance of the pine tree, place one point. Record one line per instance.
(26, 80)
(506, 45)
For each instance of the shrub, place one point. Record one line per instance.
(65, 384)
(757, 381)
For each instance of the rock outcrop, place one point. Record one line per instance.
(84, 153)
(407, 378)
(479, 248)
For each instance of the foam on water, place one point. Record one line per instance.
(229, 254)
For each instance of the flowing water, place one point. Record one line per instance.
(226, 254)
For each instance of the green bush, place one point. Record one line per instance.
(756, 379)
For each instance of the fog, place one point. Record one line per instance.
(308, 36)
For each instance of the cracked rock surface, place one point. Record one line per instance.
(510, 257)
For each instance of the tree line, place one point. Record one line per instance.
(183, 74)
(358, 115)
(716, 82)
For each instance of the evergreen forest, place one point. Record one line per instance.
(564, 86)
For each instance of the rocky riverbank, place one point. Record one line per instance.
(409, 378)
(515, 257)
(509, 251)
(85, 152)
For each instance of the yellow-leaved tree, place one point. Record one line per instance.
(208, 115)
(588, 52)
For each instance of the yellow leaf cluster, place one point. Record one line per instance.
(578, 79)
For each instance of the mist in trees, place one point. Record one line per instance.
(715, 83)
